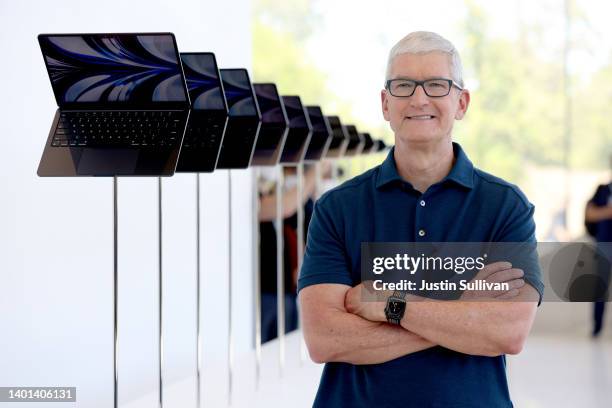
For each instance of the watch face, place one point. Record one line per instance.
(396, 307)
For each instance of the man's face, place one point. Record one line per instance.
(420, 118)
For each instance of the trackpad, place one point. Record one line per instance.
(107, 162)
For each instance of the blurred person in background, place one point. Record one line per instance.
(598, 219)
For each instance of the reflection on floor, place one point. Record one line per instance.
(551, 372)
(562, 372)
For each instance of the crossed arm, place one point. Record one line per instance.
(334, 334)
(338, 326)
(594, 213)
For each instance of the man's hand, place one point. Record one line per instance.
(497, 272)
(362, 300)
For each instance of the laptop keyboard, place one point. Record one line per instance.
(119, 128)
(204, 133)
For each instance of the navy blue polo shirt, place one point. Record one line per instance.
(468, 205)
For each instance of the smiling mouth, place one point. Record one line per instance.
(420, 117)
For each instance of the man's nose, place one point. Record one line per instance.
(419, 97)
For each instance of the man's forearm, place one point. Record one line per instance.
(595, 213)
(346, 337)
(479, 328)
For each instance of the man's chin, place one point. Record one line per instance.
(419, 138)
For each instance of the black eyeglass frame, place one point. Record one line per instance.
(451, 83)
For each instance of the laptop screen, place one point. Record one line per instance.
(338, 139)
(316, 119)
(203, 81)
(270, 104)
(114, 70)
(369, 143)
(238, 92)
(295, 112)
(354, 145)
(321, 134)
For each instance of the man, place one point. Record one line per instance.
(441, 354)
(599, 212)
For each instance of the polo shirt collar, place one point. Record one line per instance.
(462, 172)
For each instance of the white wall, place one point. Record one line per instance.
(56, 264)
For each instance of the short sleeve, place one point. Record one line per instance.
(325, 258)
(519, 228)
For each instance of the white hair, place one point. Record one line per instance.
(424, 42)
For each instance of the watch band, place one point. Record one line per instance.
(396, 318)
(399, 294)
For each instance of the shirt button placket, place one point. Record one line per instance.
(419, 219)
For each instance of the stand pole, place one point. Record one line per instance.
(280, 275)
(300, 233)
(198, 301)
(257, 279)
(115, 298)
(230, 351)
(161, 340)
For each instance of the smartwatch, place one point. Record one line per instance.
(396, 306)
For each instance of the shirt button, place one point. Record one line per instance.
(421, 233)
(422, 203)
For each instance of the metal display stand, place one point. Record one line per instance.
(198, 301)
(115, 300)
(280, 276)
(160, 296)
(115, 294)
(300, 232)
(256, 278)
(230, 349)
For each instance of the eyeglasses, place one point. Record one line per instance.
(435, 87)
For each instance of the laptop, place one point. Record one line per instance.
(300, 131)
(273, 130)
(379, 146)
(356, 142)
(321, 134)
(243, 122)
(208, 117)
(122, 104)
(368, 143)
(340, 139)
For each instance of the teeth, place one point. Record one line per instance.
(421, 117)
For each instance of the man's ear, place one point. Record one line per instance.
(384, 104)
(464, 102)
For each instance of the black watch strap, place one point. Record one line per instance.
(395, 318)
(399, 294)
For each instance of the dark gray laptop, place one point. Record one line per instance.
(122, 103)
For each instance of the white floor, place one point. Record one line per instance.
(551, 372)
(562, 372)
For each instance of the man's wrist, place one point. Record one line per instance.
(395, 307)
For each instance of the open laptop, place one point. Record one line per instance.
(368, 143)
(300, 131)
(122, 104)
(208, 118)
(321, 134)
(340, 139)
(379, 146)
(273, 130)
(243, 122)
(356, 141)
